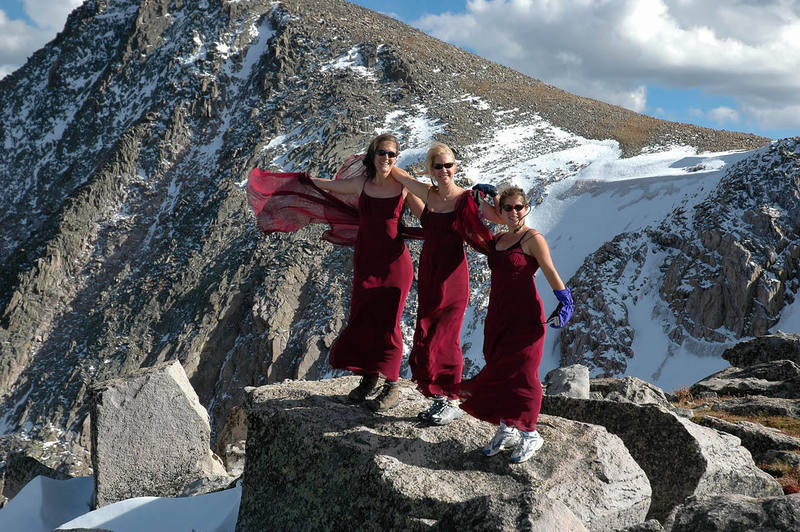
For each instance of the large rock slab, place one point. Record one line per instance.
(680, 458)
(729, 512)
(770, 379)
(528, 511)
(628, 389)
(570, 381)
(757, 405)
(314, 461)
(150, 435)
(755, 437)
(768, 348)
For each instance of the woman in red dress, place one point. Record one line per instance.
(507, 391)
(371, 343)
(436, 360)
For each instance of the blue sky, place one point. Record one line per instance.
(727, 65)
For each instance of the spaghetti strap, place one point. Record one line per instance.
(518, 243)
(427, 196)
(529, 233)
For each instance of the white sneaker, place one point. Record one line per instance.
(529, 443)
(447, 413)
(504, 438)
(434, 408)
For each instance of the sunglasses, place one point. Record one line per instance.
(439, 166)
(509, 208)
(389, 154)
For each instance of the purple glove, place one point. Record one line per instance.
(486, 188)
(563, 311)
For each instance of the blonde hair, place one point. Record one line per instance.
(437, 149)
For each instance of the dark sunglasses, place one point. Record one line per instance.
(389, 154)
(439, 166)
(509, 208)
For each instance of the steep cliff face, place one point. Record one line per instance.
(126, 237)
(717, 270)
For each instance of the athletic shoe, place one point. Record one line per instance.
(527, 446)
(365, 387)
(388, 398)
(448, 413)
(504, 438)
(434, 408)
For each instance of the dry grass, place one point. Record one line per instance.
(787, 476)
(685, 397)
(704, 407)
(788, 425)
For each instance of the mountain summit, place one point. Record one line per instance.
(127, 239)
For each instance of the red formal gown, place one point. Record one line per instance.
(372, 341)
(436, 360)
(508, 388)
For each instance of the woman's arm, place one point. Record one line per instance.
(340, 186)
(492, 212)
(420, 190)
(415, 204)
(536, 246)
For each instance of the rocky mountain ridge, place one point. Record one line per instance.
(127, 239)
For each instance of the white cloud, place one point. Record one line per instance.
(747, 50)
(18, 39)
(723, 115)
(50, 14)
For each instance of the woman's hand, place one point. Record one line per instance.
(563, 311)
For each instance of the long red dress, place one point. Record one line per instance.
(436, 359)
(372, 341)
(508, 388)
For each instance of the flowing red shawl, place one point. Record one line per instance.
(469, 224)
(288, 201)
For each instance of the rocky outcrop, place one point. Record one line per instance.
(779, 379)
(319, 460)
(150, 436)
(232, 440)
(628, 390)
(758, 405)
(756, 438)
(680, 458)
(316, 461)
(570, 381)
(529, 511)
(724, 513)
(767, 348)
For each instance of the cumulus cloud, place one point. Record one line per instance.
(18, 39)
(50, 14)
(724, 115)
(748, 50)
